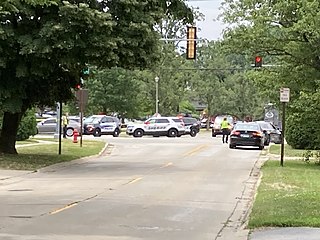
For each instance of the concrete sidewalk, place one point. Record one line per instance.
(297, 233)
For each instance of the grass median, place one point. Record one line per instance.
(287, 196)
(37, 153)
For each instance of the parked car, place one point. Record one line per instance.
(158, 126)
(216, 129)
(203, 123)
(98, 125)
(76, 118)
(192, 126)
(49, 125)
(88, 123)
(247, 134)
(273, 134)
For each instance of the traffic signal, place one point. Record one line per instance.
(258, 61)
(78, 86)
(191, 42)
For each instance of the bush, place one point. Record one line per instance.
(28, 126)
(302, 125)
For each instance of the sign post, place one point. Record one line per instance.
(284, 98)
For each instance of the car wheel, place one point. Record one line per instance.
(232, 146)
(69, 132)
(172, 132)
(97, 132)
(193, 132)
(214, 134)
(116, 133)
(138, 133)
(261, 147)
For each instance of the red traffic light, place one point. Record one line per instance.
(258, 61)
(77, 87)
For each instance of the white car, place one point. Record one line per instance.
(216, 130)
(158, 126)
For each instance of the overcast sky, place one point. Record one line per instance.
(210, 28)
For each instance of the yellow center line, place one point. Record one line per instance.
(167, 165)
(64, 208)
(196, 150)
(135, 180)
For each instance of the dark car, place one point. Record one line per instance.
(192, 126)
(273, 134)
(247, 134)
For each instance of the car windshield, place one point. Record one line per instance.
(247, 126)
(190, 120)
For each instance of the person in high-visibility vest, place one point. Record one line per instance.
(225, 127)
(65, 122)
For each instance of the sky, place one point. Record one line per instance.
(210, 28)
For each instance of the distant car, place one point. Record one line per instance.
(192, 126)
(49, 125)
(75, 118)
(203, 123)
(247, 134)
(216, 129)
(158, 126)
(98, 125)
(273, 134)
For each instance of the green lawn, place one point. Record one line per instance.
(37, 156)
(288, 151)
(287, 196)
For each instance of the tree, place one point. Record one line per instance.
(115, 90)
(46, 44)
(286, 34)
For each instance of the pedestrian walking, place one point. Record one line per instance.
(225, 127)
(65, 122)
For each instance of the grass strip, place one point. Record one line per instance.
(34, 157)
(287, 196)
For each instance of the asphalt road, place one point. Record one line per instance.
(140, 188)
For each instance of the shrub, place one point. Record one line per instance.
(28, 126)
(302, 125)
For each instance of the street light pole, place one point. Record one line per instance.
(156, 79)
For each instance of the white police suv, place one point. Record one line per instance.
(158, 126)
(105, 125)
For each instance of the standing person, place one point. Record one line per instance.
(65, 122)
(225, 125)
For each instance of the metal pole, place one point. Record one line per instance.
(81, 126)
(282, 132)
(157, 95)
(81, 116)
(60, 124)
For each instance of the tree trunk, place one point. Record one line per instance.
(9, 131)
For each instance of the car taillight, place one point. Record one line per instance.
(257, 134)
(237, 133)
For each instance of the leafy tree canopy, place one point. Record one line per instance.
(46, 44)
